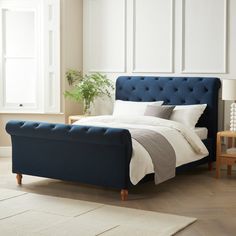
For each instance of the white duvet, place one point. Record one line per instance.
(187, 145)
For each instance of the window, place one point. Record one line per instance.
(30, 56)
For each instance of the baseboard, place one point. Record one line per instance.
(5, 151)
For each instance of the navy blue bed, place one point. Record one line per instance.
(101, 156)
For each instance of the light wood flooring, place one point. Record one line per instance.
(194, 193)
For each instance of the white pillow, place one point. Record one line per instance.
(128, 108)
(188, 114)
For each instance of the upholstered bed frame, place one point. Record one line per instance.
(101, 156)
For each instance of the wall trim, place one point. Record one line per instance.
(5, 151)
(122, 69)
(172, 27)
(183, 70)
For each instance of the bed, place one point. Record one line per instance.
(101, 155)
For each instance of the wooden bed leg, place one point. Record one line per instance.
(19, 178)
(124, 194)
(210, 166)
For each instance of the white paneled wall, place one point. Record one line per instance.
(160, 37)
(153, 36)
(105, 35)
(204, 36)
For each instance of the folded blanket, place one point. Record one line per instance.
(160, 150)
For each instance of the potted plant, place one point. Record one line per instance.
(88, 87)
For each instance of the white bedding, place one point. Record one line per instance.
(187, 145)
(201, 132)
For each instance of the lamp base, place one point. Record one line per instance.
(233, 117)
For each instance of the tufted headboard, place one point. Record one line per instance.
(175, 91)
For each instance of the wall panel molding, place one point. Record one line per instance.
(107, 49)
(200, 52)
(158, 54)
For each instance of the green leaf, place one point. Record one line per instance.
(88, 87)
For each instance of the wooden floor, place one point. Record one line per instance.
(196, 193)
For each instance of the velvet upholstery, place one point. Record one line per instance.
(174, 91)
(177, 91)
(88, 134)
(101, 156)
(92, 155)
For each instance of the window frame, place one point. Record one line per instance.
(47, 56)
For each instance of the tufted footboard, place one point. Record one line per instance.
(91, 155)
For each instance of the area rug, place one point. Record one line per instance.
(26, 214)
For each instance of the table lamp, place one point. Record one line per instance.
(229, 93)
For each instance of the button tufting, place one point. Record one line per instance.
(133, 88)
(191, 89)
(105, 132)
(185, 79)
(156, 78)
(147, 89)
(175, 89)
(142, 78)
(170, 79)
(161, 89)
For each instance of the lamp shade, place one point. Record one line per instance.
(229, 89)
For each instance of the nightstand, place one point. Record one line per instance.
(74, 118)
(223, 157)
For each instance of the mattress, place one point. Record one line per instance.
(201, 132)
